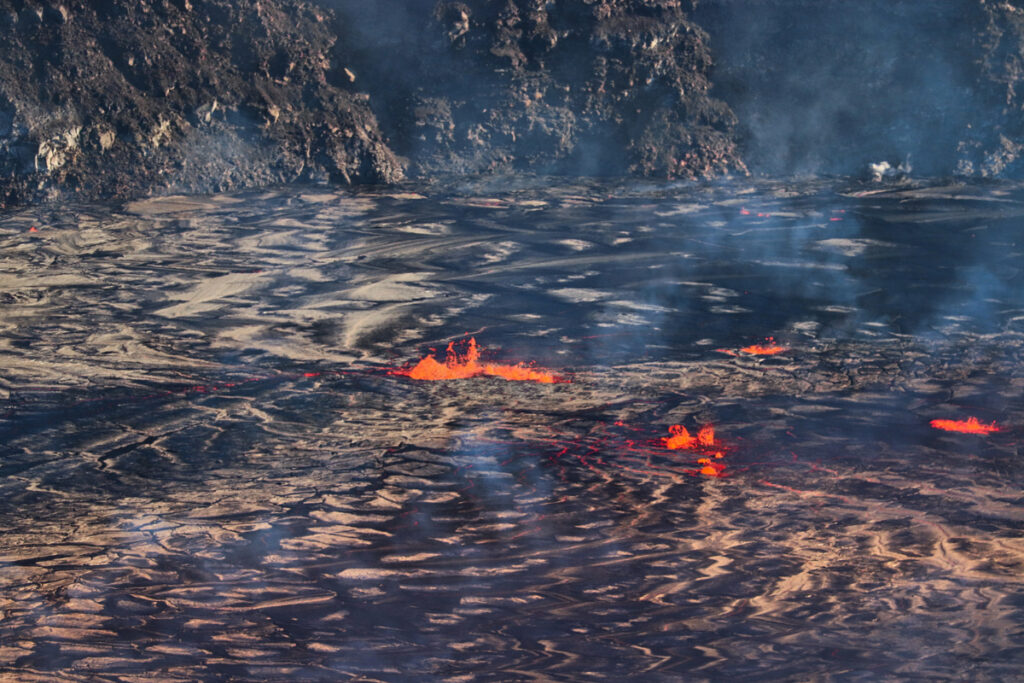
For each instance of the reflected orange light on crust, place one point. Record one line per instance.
(969, 426)
(465, 365)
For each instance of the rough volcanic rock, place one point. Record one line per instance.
(593, 87)
(122, 97)
(615, 87)
(995, 144)
(830, 86)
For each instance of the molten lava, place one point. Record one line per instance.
(466, 365)
(711, 468)
(769, 349)
(969, 426)
(704, 443)
(680, 438)
(706, 436)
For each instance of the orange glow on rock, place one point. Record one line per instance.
(969, 426)
(465, 365)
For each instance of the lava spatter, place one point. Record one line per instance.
(679, 438)
(969, 426)
(770, 348)
(704, 443)
(467, 364)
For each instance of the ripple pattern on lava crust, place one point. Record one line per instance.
(209, 472)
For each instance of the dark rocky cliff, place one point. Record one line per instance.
(829, 86)
(605, 87)
(994, 144)
(123, 98)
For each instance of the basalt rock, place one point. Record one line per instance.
(131, 97)
(125, 97)
(995, 144)
(606, 87)
(837, 87)
(831, 86)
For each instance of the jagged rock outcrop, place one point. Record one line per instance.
(994, 146)
(130, 97)
(830, 86)
(593, 87)
(122, 97)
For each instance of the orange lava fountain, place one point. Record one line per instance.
(466, 365)
(706, 436)
(969, 426)
(704, 442)
(680, 438)
(769, 349)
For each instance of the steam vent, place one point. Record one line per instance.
(511, 340)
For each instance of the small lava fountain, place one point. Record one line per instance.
(704, 444)
(467, 364)
(969, 426)
(769, 348)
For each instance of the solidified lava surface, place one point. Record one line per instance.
(210, 469)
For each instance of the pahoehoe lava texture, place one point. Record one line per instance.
(205, 473)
